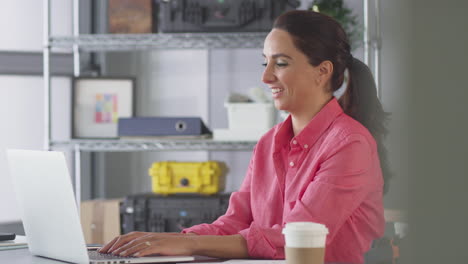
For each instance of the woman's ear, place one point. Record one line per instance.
(325, 71)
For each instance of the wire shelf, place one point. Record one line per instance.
(155, 145)
(123, 42)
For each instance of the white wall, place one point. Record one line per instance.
(21, 97)
(21, 108)
(21, 23)
(20, 105)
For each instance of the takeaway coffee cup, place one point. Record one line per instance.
(305, 242)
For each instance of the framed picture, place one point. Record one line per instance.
(98, 103)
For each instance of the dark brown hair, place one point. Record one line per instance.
(321, 38)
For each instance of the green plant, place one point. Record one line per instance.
(344, 15)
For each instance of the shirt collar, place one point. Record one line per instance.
(309, 135)
(284, 134)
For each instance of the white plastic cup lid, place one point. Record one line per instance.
(305, 228)
(305, 235)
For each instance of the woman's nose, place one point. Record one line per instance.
(268, 76)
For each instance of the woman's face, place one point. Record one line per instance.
(291, 78)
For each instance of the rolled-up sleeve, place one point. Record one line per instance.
(237, 217)
(263, 242)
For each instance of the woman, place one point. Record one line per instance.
(321, 164)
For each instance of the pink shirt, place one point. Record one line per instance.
(329, 173)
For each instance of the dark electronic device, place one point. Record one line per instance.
(157, 213)
(221, 15)
(7, 236)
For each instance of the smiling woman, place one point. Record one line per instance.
(320, 165)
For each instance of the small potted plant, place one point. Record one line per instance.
(344, 15)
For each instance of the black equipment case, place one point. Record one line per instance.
(157, 213)
(221, 15)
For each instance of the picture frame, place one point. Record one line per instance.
(98, 103)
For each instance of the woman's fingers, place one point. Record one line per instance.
(164, 245)
(120, 241)
(142, 239)
(125, 239)
(107, 246)
(132, 243)
(124, 242)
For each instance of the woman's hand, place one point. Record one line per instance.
(145, 243)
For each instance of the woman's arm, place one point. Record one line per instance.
(233, 246)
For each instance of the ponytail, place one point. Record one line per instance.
(360, 101)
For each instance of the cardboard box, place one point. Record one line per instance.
(100, 220)
(131, 16)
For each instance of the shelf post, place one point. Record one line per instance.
(77, 172)
(366, 32)
(76, 73)
(46, 73)
(374, 43)
(377, 46)
(76, 33)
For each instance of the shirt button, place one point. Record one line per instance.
(294, 142)
(291, 164)
(306, 146)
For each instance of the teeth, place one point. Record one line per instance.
(276, 90)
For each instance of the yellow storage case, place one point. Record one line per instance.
(170, 177)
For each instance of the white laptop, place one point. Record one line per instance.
(49, 212)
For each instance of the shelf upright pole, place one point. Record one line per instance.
(366, 32)
(377, 47)
(78, 176)
(208, 91)
(76, 33)
(46, 73)
(76, 73)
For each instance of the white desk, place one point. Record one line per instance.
(23, 256)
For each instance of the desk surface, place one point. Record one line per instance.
(23, 256)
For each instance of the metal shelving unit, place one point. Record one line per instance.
(129, 145)
(128, 42)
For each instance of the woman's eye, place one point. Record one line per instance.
(279, 64)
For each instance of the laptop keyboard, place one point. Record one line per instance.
(94, 255)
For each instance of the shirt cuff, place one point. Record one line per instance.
(265, 243)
